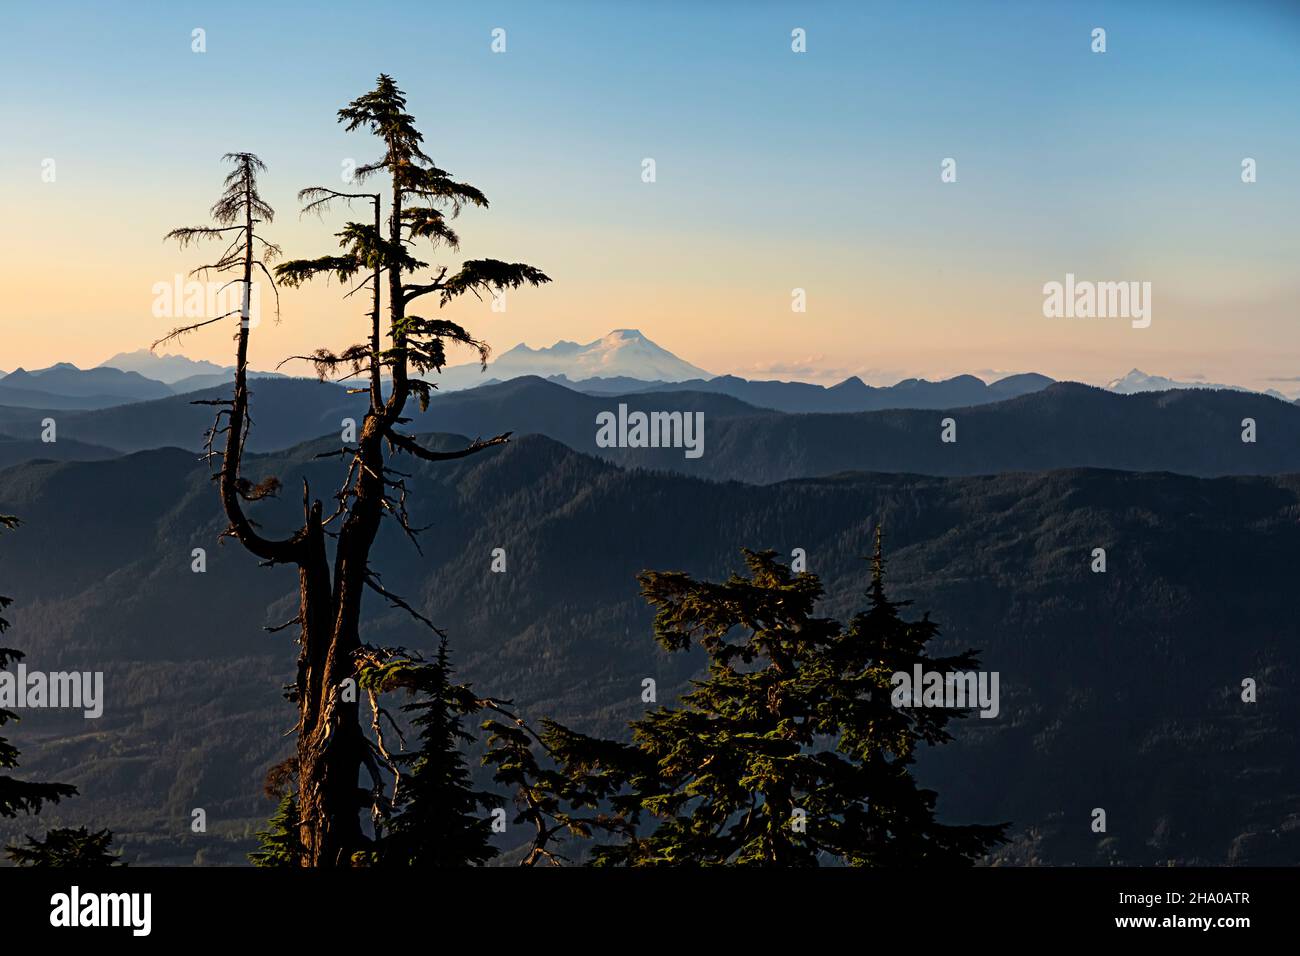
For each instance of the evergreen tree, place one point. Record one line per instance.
(77, 848)
(61, 847)
(18, 796)
(279, 843)
(420, 200)
(439, 817)
(564, 793)
(789, 752)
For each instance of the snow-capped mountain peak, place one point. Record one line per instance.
(623, 352)
(1139, 381)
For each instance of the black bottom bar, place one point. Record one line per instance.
(505, 907)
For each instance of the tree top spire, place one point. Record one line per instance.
(878, 565)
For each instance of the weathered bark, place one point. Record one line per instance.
(331, 746)
(376, 390)
(332, 749)
(329, 736)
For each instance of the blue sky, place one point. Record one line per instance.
(775, 170)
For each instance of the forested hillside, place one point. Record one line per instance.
(1119, 689)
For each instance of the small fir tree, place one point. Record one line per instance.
(279, 844)
(440, 819)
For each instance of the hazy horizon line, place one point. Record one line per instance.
(824, 377)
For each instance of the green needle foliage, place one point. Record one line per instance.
(423, 200)
(441, 819)
(409, 204)
(789, 752)
(78, 848)
(279, 843)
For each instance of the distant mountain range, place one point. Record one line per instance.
(65, 386)
(286, 411)
(624, 362)
(1066, 425)
(166, 368)
(993, 533)
(850, 395)
(1119, 690)
(1194, 432)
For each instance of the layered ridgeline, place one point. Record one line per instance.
(850, 395)
(124, 379)
(65, 386)
(622, 362)
(1119, 690)
(1195, 432)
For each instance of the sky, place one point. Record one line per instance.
(775, 170)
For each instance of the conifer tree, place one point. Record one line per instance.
(562, 794)
(440, 818)
(279, 844)
(77, 848)
(789, 752)
(17, 796)
(61, 847)
(422, 199)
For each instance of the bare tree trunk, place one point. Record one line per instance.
(330, 743)
(331, 746)
(329, 737)
(376, 389)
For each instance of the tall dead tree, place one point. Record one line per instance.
(332, 749)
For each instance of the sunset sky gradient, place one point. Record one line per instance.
(775, 170)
